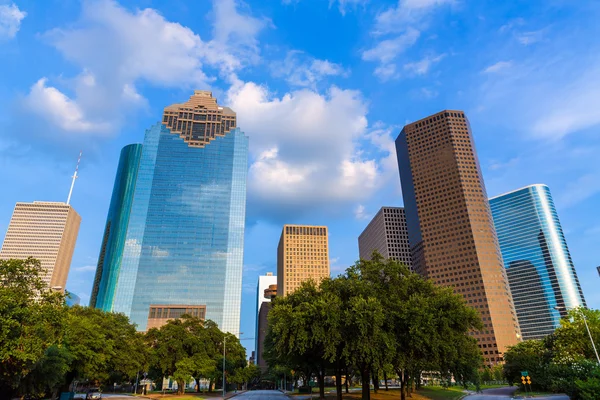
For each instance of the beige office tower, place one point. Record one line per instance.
(46, 231)
(302, 254)
(388, 235)
(451, 232)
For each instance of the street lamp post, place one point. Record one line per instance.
(586, 327)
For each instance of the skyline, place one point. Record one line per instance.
(493, 77)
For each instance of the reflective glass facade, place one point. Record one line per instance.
(539, 267)
(113, 241)
(184, 237)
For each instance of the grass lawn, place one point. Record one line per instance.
(439, 393)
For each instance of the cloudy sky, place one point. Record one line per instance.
(321, 87)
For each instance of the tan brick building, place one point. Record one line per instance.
(46, 231)
(450, 226)
(302, 254)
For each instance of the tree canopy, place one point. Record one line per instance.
(376, 315)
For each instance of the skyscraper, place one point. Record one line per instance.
(264, 281)
(174, 234)
(262, 324)
(46, 231)
(302, 254)
(450, 227)
(540, 271)
(387, 233)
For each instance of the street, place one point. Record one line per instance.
(262, 395)
(507, 393)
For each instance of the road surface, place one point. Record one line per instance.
(508, 393)
(261, 395)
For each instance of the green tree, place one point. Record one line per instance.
(178, 349)
(31, 322)
(102, 345)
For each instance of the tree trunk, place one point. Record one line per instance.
(385, 380)
(402, 384)
(365, 378)
(338, 383)
(321, 380)
(375, 378)
(180, 386)
(347, 381)
(407, 383)
(210, 385)
(197, 385)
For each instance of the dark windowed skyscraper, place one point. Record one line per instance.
(174, 235)
(540, 270)
(450, 228)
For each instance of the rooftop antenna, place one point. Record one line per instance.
(74, 177)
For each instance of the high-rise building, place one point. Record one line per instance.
(264, 281)
(598, 269)
(387, 233)
(174, 235)
(540, 271)
(46, 231)
(262, 324)
(302, 254)
(72, 299)
(450, 227)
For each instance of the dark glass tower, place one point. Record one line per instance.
(540, 270)
(174, 235)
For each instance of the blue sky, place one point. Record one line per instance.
(321, 88)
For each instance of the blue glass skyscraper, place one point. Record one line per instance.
(174, 234)
(540, 271)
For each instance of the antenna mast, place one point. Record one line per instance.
(74, 177)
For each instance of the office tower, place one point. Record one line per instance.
(174, 235)
(387, 233)
(598, 269)
(450, 227)
(264, 281)
(262, 324)
(540, 271)
(46, 231)
(72, 299)
(302, 254)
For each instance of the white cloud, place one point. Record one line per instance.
(300, 69)
(386, 50)
(422, 67)
(85, 268)
(406, 12)
(527, 38)
(117, 48)
(59, 109)
(579, 190)
(10, 20)
(405, 22)
(344, 5)
(360, 213)
(498, 67)
(305, 148)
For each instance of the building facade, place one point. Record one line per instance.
(450, 227)
(71, 299)
(264, 281)
(540, 270)
(387, 233)
(262, 324)
(302, 254)
(175, 228)
(46, 231)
